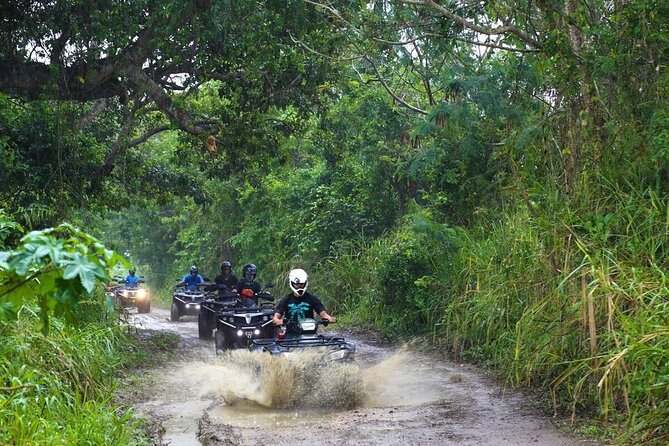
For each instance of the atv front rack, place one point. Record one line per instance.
(295, 343)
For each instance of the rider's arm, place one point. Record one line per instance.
(320, 309)
(278, 311)
(324, 315)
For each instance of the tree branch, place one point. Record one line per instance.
(390, 92)
(472, 26)
(157, 94)
(86, 79)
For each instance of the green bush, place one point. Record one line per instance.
(57, 389)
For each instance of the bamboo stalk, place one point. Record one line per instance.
(592, 328)
(584, 297)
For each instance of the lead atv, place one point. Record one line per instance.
(294, 336)
(239, 325)
(187, 302)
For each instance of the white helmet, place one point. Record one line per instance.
(297, 279)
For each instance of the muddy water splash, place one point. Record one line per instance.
(405, 378)
(406, 398)
(307, 380)
(304, 379)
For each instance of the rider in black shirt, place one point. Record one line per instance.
(247, 287)
(226, 280)
(299, 304)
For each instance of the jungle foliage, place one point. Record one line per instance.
(492, 175)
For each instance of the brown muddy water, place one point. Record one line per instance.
(387, 396)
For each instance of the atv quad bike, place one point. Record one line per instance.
(304, 335)
(236, 327)
(225, 300)
(127, 295)
(187, 302)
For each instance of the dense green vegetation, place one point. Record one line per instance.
(491, 175)
(56, 383)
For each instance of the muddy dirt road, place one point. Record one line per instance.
(388, 396)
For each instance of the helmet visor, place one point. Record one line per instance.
(299, 286)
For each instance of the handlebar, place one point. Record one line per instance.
(285, 322)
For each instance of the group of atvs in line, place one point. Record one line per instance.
(233, 325)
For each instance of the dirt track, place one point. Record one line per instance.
(387, 397)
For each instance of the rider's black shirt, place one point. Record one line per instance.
(297, 308)
(230, 283)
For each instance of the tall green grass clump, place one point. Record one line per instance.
(58, 389)
(61, 347)
(573, 300)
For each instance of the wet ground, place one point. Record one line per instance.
(387, 396)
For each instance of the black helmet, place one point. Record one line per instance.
(226, 264)
(249, 272)
(131, 271)
(193, 269)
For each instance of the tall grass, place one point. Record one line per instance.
(58, 389)
(574, 301)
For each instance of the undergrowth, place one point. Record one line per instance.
(58, 389)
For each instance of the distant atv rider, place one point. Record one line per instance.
(192, 279)
(132, 280)
(226, 280)
(299, 304)
(247, 287)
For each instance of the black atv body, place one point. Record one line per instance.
(187, 302)
(238, 325)
(304, 335)
(211, 306)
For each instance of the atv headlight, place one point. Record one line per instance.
(308, 325)
(140, 293)
(337, 355)
(240, 332)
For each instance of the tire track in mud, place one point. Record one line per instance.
(389, 396)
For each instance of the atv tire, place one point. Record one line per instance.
(174, 313)
(144, 307)
(222, 343)
(204, 326)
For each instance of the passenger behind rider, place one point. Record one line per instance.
(131, 279)
(191, 280)
(298, 304)
(247, 287)
(226, 280)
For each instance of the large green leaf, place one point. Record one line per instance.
(25, 260)
(7, 310)
(4, 256)
(86, 269)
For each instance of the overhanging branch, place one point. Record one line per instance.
(473, 26)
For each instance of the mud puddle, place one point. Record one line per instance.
(385, 397)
